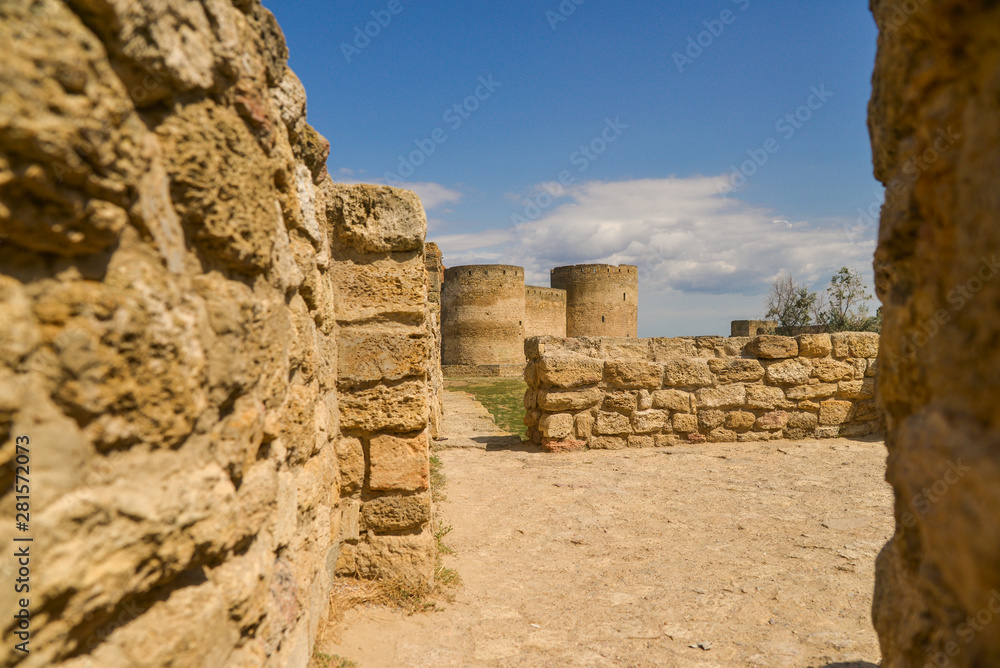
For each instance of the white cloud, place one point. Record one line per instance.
(432, 195)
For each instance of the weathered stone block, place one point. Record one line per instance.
(856, 389)
(721, 435)
(685, 423)
(834, 412)
(556, 426)
(409, 557)
(862, 344)
(583, 424)
(397, 408)
(675, 400)
(622, 402)
(840, 344)
(612, 424)
(773, 347)
(670, 349)
(736, 370)
(687, 373)
(789, 372)
(866, 410)
(351, 456)
(725, 396)
(569, 370)
(647, 422)
(636, 441)
(572, 400)
(832, 371)
(772, 421)
(365, 355)
(665, 440)
(399, 463)
(396, 513)
(377, 219)
(764, 397)
(369, 289)
(814, 345)
(740, 421)
(826, 432)
(804, 421)
(813, 391)
(633, 375)
(709, 420)
(608, 443)
(645, 400)
(350, 521)
(531, 399)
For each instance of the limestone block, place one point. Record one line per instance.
(740, 421)
(856, 430)
(396, 513)
(569, 370)
(565, 445)
(685, 423)
(772, 421)
(647, 422)
(608, 443)
(840, 344)
(636, 441)
(832, 371)
(871, 369)
(866, 410)
(369, 288)
(350, 521)
(399, 463)
(397, 408)
(814, 345)
(675, 400)
(645, 400)
(834, 412)
(670, 349)
(687, 373)
(346, 564)
(629, 349)
(804, 421)
(789, 372)
(556, 426)
(862, 344)
(724, 396)
(813, 391)
(408, 557)
(367, 354)
(773, 347)
(612, 424)
(721, 435)
(633, 374)
(736, 370)
(531, 399)
(859, 365)
(709, 420)
(665, 440)
(826, 432)
(622, 402)
(583, 425)
(856, 389)
(764, 397)
(572, 400)
(376, 219)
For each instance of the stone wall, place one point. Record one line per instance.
(615, 393)
(482, 315)
(936, 146)
(219, 357)
(435, 275)
(601, 300)
(544, 312)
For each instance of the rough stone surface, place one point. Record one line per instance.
(936, 147)
(773, 347)
(203, 338)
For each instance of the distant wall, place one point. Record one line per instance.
(482, 315)
(601, 300)
(752, 327)
(616, 393)
(544, 312)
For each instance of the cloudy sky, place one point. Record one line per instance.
(714, 144)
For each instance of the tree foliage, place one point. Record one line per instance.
(790, 304)
(847, 305)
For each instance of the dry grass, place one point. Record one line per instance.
(502, 397)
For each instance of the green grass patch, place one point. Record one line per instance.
(321, 660)
(502, 397)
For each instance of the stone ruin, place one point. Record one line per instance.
(488, 312)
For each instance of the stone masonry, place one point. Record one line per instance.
(936, 146)
(610, 393)
(220, 360)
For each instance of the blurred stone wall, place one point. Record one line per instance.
(220, 358)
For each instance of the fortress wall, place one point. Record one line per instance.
(601, 300)
(620, 393)
(214, 358)
(482, 315)
(936, 146)
(435, 274)
(544, 312)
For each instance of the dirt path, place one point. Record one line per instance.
(750, 554)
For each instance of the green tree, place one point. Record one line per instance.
(789, 304)
(846, 308)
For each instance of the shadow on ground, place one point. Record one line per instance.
(512, 443)
(852, 664)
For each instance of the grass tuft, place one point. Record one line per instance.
(502, 397)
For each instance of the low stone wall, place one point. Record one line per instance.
(618, 393)
(482, 370)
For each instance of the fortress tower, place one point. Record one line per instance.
(601, 300)
(482, 315)
(544, 312)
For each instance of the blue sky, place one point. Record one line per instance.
(714, 144)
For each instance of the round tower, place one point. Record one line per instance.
(482, 315)
(601, 300)
(544, 312)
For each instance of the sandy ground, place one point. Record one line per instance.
(750, 554)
